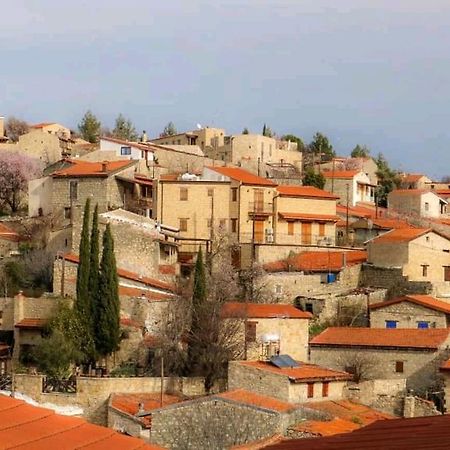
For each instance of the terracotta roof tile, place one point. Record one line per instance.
(328, 428)
(127, 291)
(410, 192)
(308, 217)
(412, 177)
(263, 310)
(34, 428)
(80, 168)
(31, 323)
(242, 175)
(427, 339)
(42, 124)
(302, 374)
(262, 401)
(167, 269)
(391, 223)
(8, 234)
(423, 300)
(305, 192)
(318, 261)
(445, 365)
(346, 174)
(400, 235)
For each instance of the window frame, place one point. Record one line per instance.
(125, 150)
(184, 194)
(183, 222)
(310, 389)
(399, 367)
(325, 388)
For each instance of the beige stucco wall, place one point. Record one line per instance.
(40, 196)
(41, 145)
(298, 392)
(407, 315)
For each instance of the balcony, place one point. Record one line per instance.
(260, 209)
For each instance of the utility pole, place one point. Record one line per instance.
(332, 175)
(63, 275)
(162, 381)
(347, 188)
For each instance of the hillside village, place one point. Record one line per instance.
(205, 290)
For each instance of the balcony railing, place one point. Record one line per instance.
(260, 208)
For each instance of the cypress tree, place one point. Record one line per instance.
(94, 268)
(107, 336)
(82, 301)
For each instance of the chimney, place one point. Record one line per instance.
(144, 136)
(2, 127)
(104, 165)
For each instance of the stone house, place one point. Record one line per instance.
(9, 241)
(410, 311)
(420, 253)
(52, 128)
(366, 165)
(417, 203)
(303, 383)
(352, 183)
(304, 214)
(268, 329)
(414, 181)
(384, 353)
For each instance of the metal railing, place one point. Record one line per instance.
(260, 208)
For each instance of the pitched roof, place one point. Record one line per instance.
(358, 211)
(381, 223)
(423, 300)
(412, 177)
(80, 168)
(308, 217)
(8, 234)
(305, 191)
(400, 235)
(31, 323)
(43, 124)
(445, 365)
(262, 310)
(129, 291)
(130, 275)
(303, 373)
(242, 175)
(427, 339)
(138, 145)
(346, 174)
(418, 433)
(253, 399)
(332, 261)
(24, 426)
(411, 192)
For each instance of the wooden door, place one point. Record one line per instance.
(306, 233)
(258, 198)
(259, 231)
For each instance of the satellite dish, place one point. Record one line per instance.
(199, 126)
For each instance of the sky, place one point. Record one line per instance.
(368, 72)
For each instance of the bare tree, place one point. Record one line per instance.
(360, 365)
(15, 128)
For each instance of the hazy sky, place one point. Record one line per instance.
(374, 72)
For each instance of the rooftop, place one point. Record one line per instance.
(303, 373)
(309, 217)
(263, 310)
(346, 174)
(306, 192)
(43, 124)
(400, 235)
(80, 168)
(332, 261)
(426, 339)
(31, 323)
(419, 433)
(411, 192)
(382, 223)
(242, 175)
(8, 234)
(24, 426)
(422, 300)
(412, 177)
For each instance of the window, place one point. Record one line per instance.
(424, 270)
(310, 390)
(278, 289)
(399, 366)
(223, 223)
(125, 150)
(210, 192)
(427, 206)
(67, 213)
(233, 225)
(325, 386)
(446, 273)
(250, 331)
(321, 229)
(290, 228)
(73, 190)
(234, 194)
(391, 324)
(183, 224)
(146, 191)
(183, 194)
(309, 307)
(423, 325)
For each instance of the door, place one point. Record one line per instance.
(259, 231)
(258, 198)
(306, 233)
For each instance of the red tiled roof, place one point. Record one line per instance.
(306, 192)
(127, 322)
(24, 426)
(400, 235)
(340, 173)
(328, 428)
(412, 177)
(262, 310)
(262, 401)
(242, 175)
(410, 192)
(359, 211)
(167, 269)
(318, 261)
(308, 217)
(418, 433)
(302, 374)
(429, 339)
(136, 292)
(31, 323)
(423, 300)
(445, 365)
(129, 403)
(42, 124)
(130, 275)
(391, 223)
(91, 169)
(8, 234)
